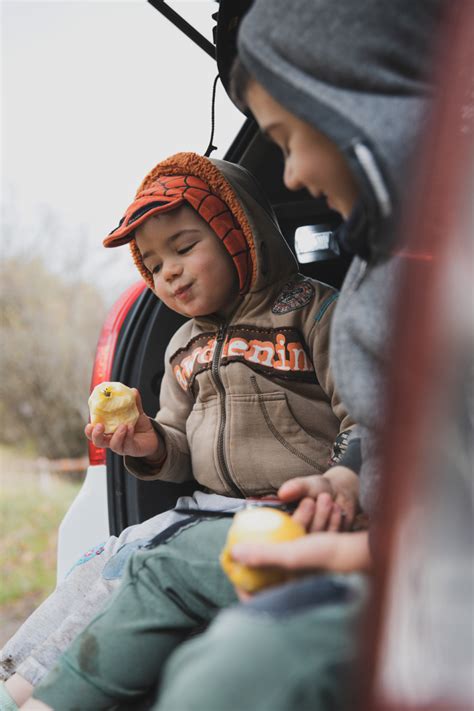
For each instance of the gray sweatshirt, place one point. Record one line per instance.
(370, 96)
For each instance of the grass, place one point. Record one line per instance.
(31, 508)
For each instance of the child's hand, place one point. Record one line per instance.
(35, 705)
(312, 553)
(140, 440)
(337, 552)
(327, 502)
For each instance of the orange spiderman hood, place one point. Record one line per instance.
(229, 199)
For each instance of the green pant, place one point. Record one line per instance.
(167, 593)
(291, 648)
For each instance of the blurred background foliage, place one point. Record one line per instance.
(32, 504)
(48, 333)
(51, 313)
(31, 508)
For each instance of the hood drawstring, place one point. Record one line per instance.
(210, 148)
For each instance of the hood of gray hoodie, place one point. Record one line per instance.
(357, 71)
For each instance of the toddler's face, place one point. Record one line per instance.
(312, 160)
(192, 271)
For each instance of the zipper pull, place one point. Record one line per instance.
(221, 332)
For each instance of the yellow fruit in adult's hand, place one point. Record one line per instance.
(111, 405)
(258, 525)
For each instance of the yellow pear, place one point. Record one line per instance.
(113, 404)
(258, 524)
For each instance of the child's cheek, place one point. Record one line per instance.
(159, 290)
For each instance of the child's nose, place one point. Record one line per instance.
(290, 177)
(171, 269)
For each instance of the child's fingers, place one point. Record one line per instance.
(129, 440)
(138, 400)
(299, 487)
(324, 506)
(308, 552)
(304, 513)
(292, 490)
(88, 431)
(117, 442)
(336, 519)
(263, 554)
(348, 512)
(98, 436)
(243, 595)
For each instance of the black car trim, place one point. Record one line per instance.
(179, 22)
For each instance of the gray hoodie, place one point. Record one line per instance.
(359, 72)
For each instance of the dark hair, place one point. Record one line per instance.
(239, 80)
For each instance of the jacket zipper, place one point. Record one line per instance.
(220, 339)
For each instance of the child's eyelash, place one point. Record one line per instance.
(183, 250)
